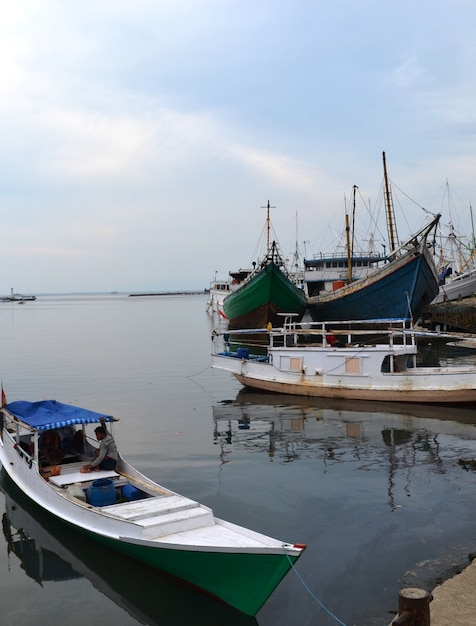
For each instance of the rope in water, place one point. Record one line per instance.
(310, 592)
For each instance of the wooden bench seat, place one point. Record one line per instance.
(163, 515)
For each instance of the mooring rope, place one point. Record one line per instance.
(312, 594)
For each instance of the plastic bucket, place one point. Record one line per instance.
(131, 493)
(102, 492)
(242, 353)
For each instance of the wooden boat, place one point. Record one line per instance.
(456, 256)
(460, 285)
(398, 289)
(400, 285)
(148, 522)
(266, 293)
(374, 360)
(50, 551)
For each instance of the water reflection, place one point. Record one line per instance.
(392, 437)
(48, 551)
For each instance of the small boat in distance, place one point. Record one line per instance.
(267, 292)
(220, 289)
(356, 360)
(124, 510)
(17, 297)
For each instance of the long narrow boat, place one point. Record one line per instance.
(356, 360)
(124, 510)
(267, 292)
(399, 289)
(51, 552)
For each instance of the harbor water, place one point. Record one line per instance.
(382, 494)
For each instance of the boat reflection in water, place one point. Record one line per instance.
(394, 436)
(49, 551)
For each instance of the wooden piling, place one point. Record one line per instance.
(413, 607)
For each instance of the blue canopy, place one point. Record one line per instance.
(48, 414)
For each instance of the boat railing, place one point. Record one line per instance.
(392, 331)
(350, 331)
(19, 442)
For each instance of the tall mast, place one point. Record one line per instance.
(268, 226)
(390, 213)
(349, 241)
(349, 253)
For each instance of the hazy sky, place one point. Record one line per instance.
(140, 139)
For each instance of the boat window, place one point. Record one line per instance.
(353, 365)
(295, 364)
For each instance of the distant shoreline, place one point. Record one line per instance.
(166, 293)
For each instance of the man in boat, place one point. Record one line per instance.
(105, 458)
(50, 447)
(333, 341)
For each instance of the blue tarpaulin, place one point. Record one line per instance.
(48, 414)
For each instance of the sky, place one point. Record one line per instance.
(142, 140)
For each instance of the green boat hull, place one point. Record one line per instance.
(261, 299)
(244, 581)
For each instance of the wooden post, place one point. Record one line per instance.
(413, 607)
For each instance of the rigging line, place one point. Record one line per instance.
(198, 373)
(412, 200)
(313, 594)
(192, 377)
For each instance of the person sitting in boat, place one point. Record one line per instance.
(105, 458)
(333, 341)
(50, 447)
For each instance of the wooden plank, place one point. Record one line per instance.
(150, 507)
(80, 477)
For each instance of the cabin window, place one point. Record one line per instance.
(352, 366)
(295, 364)
(292, 364)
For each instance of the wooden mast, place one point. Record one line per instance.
(389, 204)
(268, 227)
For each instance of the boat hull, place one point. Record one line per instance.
(236, 579)
(63, 554)
(457, 387)
(263, 298)
(400, 289)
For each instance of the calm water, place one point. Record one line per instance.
(375, 491)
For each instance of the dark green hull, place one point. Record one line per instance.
(262, 298)
(242, 580)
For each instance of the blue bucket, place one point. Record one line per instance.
(102, 492)
(131, 493)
